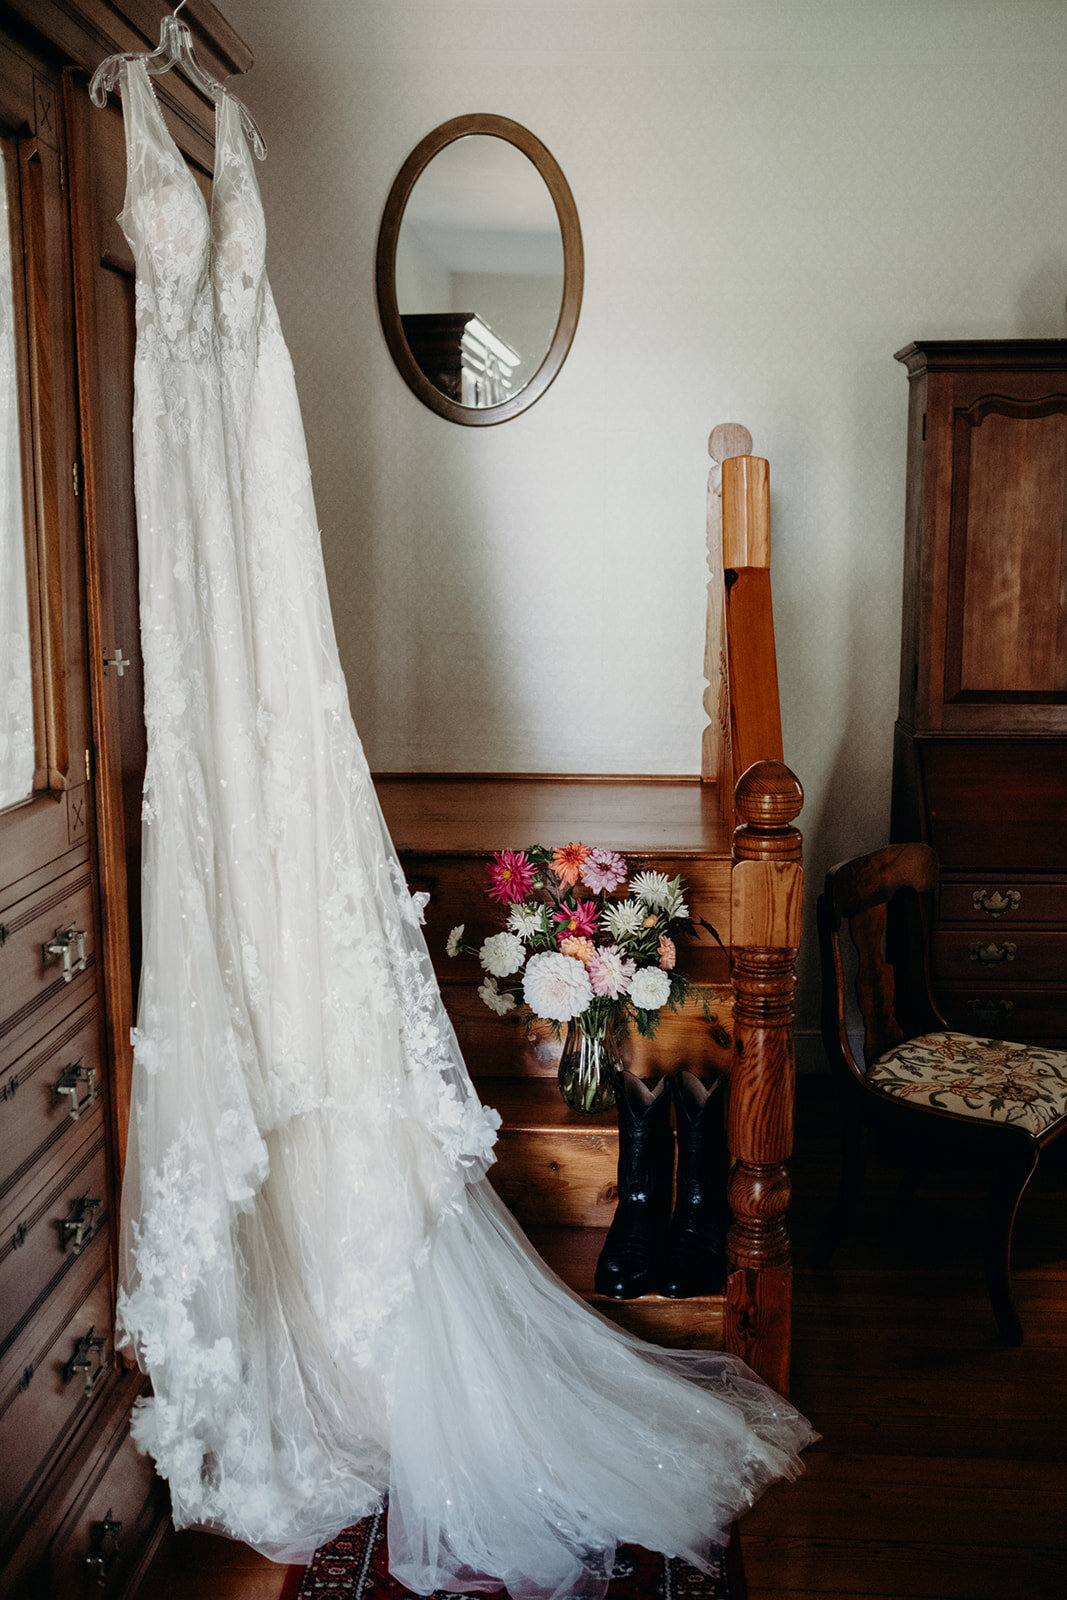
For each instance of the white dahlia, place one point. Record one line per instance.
(624, 919)
(654, 888)
(453, 942)
(650, 988)
(525, 921)
(556, 986)
(500, 1003)
(502, 954)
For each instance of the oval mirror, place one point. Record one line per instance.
(479, 270)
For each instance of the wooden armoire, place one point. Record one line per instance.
(80, 1509)
(980, 761)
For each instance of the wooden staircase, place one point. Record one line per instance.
(739, 857)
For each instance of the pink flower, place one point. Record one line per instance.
(580, 920)
(581, 949)
(511, 876)
(610, 972)
(603, 870)
(668, 955)
(567, 863)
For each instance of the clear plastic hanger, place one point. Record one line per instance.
(175, 49)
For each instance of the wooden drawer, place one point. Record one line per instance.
(457, 888)
(998, 902)
(37, 984)
(101, 1547)
(43, 1397)
(1008, 955)
(1032, 1016)
(50, 1098)
(42, 1238)
(996, 804)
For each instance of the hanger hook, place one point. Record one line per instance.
(178, 7)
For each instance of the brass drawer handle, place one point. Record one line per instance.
(68, 947)
(79, 1224)
(88, 1357)
(990, 1011)
(69, 1082)
(104, 1545)
(994, 955)
(996, 904)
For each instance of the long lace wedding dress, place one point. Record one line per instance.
(329, 1300)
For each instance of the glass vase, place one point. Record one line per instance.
(586, 1069)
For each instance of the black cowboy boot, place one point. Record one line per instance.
(696, 1257)
(632, 1258)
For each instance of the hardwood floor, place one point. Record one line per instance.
(941, 1474)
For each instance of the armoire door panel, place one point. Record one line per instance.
(1007, 636)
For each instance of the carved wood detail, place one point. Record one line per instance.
(766, 890)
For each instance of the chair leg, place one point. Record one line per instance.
(1005, 1192)
(853, 1167)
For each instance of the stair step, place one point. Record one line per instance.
(572, 1254)
(554, 1165)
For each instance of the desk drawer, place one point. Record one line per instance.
(47, 957)
(1006, 954)
(50, 1098)
(1002, 901)
(53, 1373)
(44, 1236)
(1030, 1016)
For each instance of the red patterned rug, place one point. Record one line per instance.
(355, 1567)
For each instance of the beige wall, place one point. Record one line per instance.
(774, 197)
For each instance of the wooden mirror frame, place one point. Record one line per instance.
(573, 267)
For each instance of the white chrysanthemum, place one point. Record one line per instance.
(500, 1003)
(624, 919)
(453, 941)
(502, 954)
(556, 986)
(525, 921)
(654, 888)
(650, 988)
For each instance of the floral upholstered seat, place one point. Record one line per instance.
(991, 1080)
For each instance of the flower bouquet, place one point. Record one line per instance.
(585, 946)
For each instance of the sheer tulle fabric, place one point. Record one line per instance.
(325, 1293)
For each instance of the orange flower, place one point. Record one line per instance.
(582, 950)
(567, 862)
(668, 955)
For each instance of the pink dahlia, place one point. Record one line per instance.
(603, 870)
(581, 949)
(511, 876)
(581, 919)
(568, 861)
(668, 955)
(610, 972)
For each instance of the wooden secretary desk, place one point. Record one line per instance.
(980, 762)
(80, 1509)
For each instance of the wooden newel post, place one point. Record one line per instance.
(766, 889)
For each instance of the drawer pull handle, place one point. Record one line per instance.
(11, 1087)
(996, 904)
(68, 947)
(990, 1011)
(69, 1082)
(26, 1379)
(103, 1547)
(79, 1224)
(20, 1235)
(994, 955)
(88, 1357)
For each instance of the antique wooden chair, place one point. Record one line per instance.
(930, 1093)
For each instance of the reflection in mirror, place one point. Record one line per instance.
(479, 270)
(16, 687)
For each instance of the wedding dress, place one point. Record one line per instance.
(330, 1301)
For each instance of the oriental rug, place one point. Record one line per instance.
(355, 1567)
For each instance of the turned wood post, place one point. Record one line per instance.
(766, 887)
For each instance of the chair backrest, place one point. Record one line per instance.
(884, 898)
